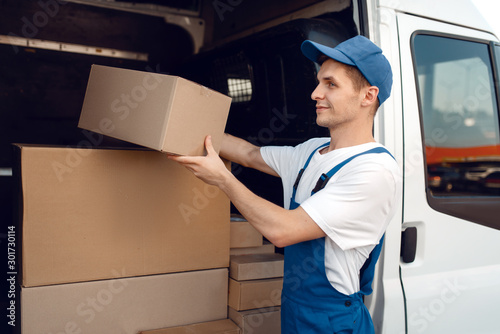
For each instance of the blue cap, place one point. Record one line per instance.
(358, 51)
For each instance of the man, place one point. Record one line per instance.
(342, 191)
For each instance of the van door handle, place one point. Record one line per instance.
(409, 244)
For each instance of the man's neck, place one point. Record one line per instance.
(347, 137)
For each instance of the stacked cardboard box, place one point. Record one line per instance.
(244, 237)
(125, 305)
(264, 320)
(212, 327)
(122, 241)
(255, 280)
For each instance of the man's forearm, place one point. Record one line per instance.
(280, 226)
(236, 149)
(243, 153)
(259, 212)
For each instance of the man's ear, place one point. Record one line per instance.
(370, 97)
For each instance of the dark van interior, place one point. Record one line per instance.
(250, 51)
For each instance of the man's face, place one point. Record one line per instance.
(337, 101)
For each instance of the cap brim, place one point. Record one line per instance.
(313, 51)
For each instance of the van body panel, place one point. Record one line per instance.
(386, 303)
(459, 12)
(456, 270)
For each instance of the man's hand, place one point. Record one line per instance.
(210, 168)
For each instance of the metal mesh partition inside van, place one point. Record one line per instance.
(233, 76)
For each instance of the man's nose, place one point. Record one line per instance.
(317, 93)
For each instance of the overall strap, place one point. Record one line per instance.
(324, 178)
(299, 176)
(368, 269)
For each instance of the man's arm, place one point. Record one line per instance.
(280, 226)
(244, 153)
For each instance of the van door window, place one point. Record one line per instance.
(459, 117)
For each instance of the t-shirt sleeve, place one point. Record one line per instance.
(354, 209)
(287, 160)
(278, 158)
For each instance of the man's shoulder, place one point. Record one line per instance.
(367, 149)
(376, 160)
(312, 144)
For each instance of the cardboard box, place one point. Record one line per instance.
(126, 305)
(225, 326)
(248, 295)
(256, 266)
(259, 321)
(90, 214)
(266, 248)
(162, 112)
(243, 235)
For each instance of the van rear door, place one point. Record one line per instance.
(450, 264)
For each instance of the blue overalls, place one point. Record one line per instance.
(310, 304)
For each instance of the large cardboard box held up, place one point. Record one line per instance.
(162, 112)
(224, 326)
(126, 305)
(90, 214)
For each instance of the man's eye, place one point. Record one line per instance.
(331, 84)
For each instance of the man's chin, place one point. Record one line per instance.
(321, 123)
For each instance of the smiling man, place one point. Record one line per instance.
(341, 192)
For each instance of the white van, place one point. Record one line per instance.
(439, 271)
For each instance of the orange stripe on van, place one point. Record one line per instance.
(436, 155)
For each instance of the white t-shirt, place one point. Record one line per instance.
(353, 209)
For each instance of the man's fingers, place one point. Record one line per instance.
(182, 159)
(208, 145)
